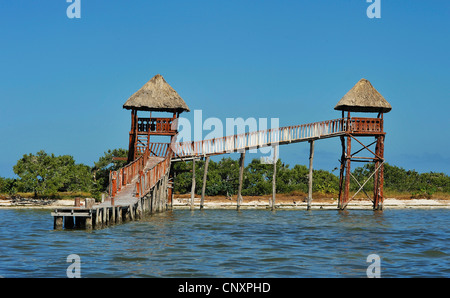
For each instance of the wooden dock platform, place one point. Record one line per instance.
(130, 203)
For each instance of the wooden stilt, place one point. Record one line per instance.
(152, 200)
(193, 184)
(378, 177)
(310, 176)
(274, 178)
(118, 214)
(132, 215)
(88, 223)
(347, 174)
(205, 174)
(241, 178)
(341, 173)
(105, 216)
(97, 219)
(113, 215)
(57, 222)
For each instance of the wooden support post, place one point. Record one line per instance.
(131, 209)
(310, 176)
(274, 178)
(57, 222)
(105, 216)
(97, 223)
(88, 223)
(157, 196)
(140, 210)
(341, 173)
(347, 173)
(193, 184)
(118, 214)
(166, 192)
(379, 176)
(113, 215)
(152, 200)
(205, 174)
(241, 178)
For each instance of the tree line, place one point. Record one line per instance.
(46, 174)
(223, 179)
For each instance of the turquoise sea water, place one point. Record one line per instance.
(228, 243)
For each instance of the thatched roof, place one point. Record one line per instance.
(363, 97)
(156, 95)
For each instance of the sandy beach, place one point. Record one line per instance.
(253, 202)
(299, 203)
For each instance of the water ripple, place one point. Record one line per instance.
(226, 243)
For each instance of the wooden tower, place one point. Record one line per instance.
(155, 96)
(362, 98)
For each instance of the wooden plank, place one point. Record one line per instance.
(78, 214)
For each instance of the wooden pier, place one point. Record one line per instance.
(145, 193)
(145, 184)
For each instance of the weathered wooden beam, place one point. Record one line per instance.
(57, 222)
(274, 178)
(193, 184)
(241, 178)
(131, 209)
(89, 203)
(88, 223)
(310, 176)
(98, 222)
(345, 197)
(205, 175)
(118, 214)
(105, 216)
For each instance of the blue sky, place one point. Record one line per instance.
(63, 81)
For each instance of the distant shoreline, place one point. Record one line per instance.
(285, 204)
(253, 202)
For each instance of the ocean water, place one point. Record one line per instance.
(232, 244)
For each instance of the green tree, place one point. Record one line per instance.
(105, 164)
(47, 174)
(8, 185)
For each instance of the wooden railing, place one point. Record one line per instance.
(155, 125)
(124, 176)
(260, 138)
(147, 180)
(282, 135)
(251, 140)
(366, 125)
(159, 149)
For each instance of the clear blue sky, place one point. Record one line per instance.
(63, 81)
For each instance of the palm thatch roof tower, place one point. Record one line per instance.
(155, 96)
(363, 97)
